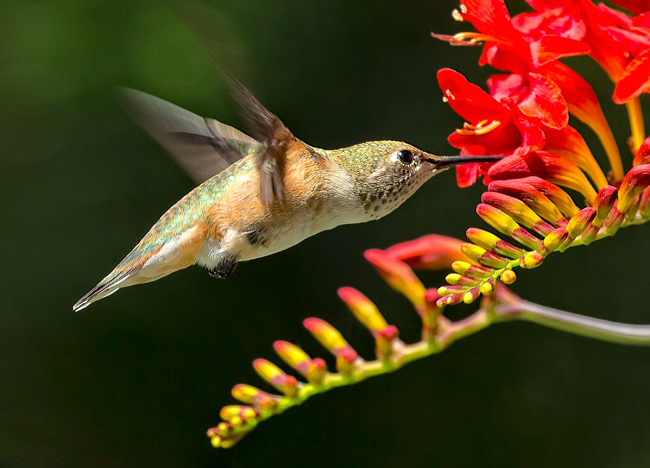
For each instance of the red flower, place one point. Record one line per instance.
(547, 166)
(503, 128)
(634, 80)
(528, 46)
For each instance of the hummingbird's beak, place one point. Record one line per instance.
(445, 162)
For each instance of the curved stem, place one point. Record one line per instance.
(591, 327)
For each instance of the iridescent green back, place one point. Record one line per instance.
(188, 211)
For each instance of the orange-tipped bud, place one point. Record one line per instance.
(254, 396)
(635, 182)
(518, 211)
(531, 260)
(398, 275)
(491, 242)
(496, 218)
(293, 356)
(484, 257)
(334, 342)
(363, 309)
(532, 197)
(508, 277)
(273, 375)
(471, 295)
(578, 223)
(461, 280)
(558, 197)
(238, 411)
(477, 271)
(487, 287)
(604, 203)
(450, 300)
(506, 225)
(555, 239)
(326, 334)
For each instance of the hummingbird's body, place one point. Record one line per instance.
(265, 196)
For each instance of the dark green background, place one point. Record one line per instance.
(135, 380)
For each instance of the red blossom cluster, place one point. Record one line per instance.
(525, 114)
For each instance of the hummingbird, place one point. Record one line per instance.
(260, 194)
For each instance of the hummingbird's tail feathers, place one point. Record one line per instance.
(103, 289)
(203, 147)
(123, 275)
(158, 254)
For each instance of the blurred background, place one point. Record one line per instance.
(138, 378)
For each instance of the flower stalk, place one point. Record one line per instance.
(501, 306)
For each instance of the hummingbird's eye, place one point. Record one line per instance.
(405, 156)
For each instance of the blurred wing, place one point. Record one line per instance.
(274, 136)
(203, 147)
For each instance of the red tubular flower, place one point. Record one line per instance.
(536, 96)
(634, 80)
(492, 127)
(432, 252)
(614, 40)
(548, 166)
(529, 46)
(398, 275)
(509, 132)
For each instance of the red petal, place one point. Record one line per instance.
(642, 21)
(491, 17)
(535, 95)
(608, 16)
(550, 48)
(504, 139)
(513, 86)
(635, 79)
(532, 136)
(467, 174)
(515, 61)
(550, 22)
(468, 100)
(579, 95)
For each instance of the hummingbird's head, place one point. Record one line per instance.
(387, 173)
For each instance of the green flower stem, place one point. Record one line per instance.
(604, 330)
(501, 306)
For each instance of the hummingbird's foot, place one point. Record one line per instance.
(224, 268)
